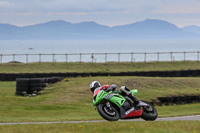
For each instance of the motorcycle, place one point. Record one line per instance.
(112, 106)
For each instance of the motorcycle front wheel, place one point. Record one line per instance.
(110, 114)
(149, 113)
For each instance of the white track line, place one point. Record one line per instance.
(181, 118)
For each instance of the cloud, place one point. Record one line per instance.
(172, 10)
(178, 7)
(60, 5)
(6, 5)
(126, 6)
(104, 11)
(83, 5)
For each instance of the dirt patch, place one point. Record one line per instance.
(132, 84)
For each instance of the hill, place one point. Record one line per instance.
(147, 29)
(192, 28)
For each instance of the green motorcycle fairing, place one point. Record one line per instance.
(134, 92)
(113, 97)
(103, 96)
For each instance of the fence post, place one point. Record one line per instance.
(26, 58)
(184, 55)
(66, 58)
(171, 56)
(39, 58)
(105, 57)
(131, 57)
(1, 57)
(92, 57)
(53, 58)
(145, 56)
(118, 57)
(158, 57)
(80, 57)
(13, 57)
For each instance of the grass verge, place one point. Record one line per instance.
(65, 101)
(108, 127)
(97, 67)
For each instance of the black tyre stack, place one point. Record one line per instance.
(179, 99)
(33, 85)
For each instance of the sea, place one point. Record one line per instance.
(27, 51)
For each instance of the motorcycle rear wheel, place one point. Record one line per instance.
(106, 113)
(149, 115)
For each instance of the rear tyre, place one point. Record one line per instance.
(149, 113)
(106, 113)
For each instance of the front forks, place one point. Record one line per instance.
(108, 106)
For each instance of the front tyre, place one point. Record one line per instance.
(110, 114)
(149, 113)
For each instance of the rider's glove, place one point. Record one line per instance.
(111, 88)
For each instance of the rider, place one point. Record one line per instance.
(123, 90)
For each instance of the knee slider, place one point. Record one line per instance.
(125, 90)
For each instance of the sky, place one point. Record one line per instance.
(105, 12)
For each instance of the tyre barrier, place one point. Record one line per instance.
(33, 85)
(179, 99)
(181, 73)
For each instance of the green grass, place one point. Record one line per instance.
(97, 67)
(108, 127)
(72, 100)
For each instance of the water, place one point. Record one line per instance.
(97, 46)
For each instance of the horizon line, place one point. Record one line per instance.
(96, 23)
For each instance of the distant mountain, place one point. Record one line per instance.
(8, 31)
(147, 29)
(152, 28)
(192, 28)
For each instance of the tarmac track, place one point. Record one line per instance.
(182, 118)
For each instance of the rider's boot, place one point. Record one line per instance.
(127, 92)
(136, 101)
(133, 98)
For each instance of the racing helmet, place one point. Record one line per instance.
(94, 85)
